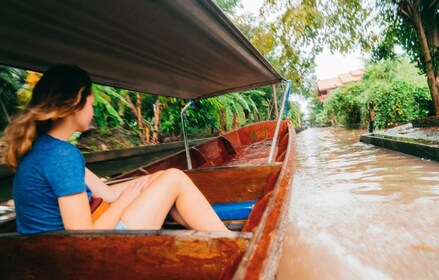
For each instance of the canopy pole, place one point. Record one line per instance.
(279, 119)
(186, 143)
(273, 87)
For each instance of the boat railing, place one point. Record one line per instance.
(283, 145)
(279, 119)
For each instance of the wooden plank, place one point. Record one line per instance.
(256, 132)
(121, 255)
(213, 151)
(232, 183)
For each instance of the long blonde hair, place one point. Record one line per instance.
(62, 90)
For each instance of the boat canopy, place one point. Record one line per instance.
(182, 48)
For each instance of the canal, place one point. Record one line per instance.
(360, 212)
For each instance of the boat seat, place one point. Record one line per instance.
(234, 210)
(230, 211)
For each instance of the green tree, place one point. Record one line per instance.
(317, 116)
(385, 49)
(394, 88)
(415, 24)
(207, 116)
(344, 106)
(294, 32)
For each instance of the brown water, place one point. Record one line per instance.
(360, 212)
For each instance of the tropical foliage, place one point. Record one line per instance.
(151, 117)
(11, 80)
(396, 91)
(295, 114)
(414, 24)
(109, 106)
(219, 114)
(292, 33)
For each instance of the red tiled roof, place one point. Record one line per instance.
(331, 83)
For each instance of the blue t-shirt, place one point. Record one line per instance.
(52, 169)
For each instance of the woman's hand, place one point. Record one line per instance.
(132, 191)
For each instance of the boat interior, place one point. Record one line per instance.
(241, 175)
(232, 171)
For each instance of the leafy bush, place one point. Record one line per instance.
(294, 114)
(344, 106)
(397, 102)
(394, 88)
(317, 116)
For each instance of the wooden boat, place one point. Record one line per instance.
(183, 48)
(227, 169)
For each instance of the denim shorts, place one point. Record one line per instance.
(120, 226)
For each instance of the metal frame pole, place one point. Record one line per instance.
(273, 87)
(279, 119)
(186, 143)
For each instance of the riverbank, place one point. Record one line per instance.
(410, 139)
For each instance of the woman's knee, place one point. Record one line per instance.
(177, 179)
(158, 172)
(175, 173)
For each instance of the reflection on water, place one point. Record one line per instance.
(360, 212)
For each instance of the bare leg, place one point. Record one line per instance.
(177, 217)
(149, 209)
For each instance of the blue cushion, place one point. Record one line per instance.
(234, 210)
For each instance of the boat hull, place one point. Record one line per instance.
(230, 168)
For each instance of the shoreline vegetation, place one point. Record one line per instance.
(422, 131)
(391, 92)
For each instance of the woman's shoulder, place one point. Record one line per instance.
(56, 146)
(48, 151)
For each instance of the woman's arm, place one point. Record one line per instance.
(75, 210)
(111, 194)
(102, 190)
(75, 213)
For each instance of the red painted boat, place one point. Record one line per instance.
(227, 169)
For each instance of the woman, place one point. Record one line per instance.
(52, 188)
